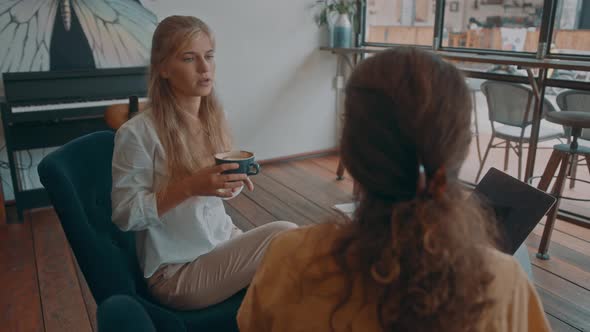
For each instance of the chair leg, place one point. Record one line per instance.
(550, 169)
(477, 146)
(588, 162)
(573, 172)
(476, 126)
(340, 170)
(552, 215)
(506, 155)
(519, 160)
(485, 157)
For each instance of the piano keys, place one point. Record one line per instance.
(48, 109)
(64, 106)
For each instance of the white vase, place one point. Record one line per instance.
(341, 32)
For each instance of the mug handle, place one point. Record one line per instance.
(254, 171)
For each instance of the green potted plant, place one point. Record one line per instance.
(337, 15)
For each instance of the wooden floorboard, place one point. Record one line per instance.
(562, 269)
(86, 295)
(279, 209)
(303, 191)
(564, 310)
(571, 229)
(64, 308)
(322, 191)
(563, 299)
(20, 303)
(563, 288)
(344, 185)
(558, 325)
(300, 204)
(566, 240)
(330, 164)
(559, 250)
(253, 212)
(238, 219)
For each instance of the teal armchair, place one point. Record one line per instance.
(78, 179)
(122, 313)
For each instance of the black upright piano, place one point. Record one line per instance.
(48, 109)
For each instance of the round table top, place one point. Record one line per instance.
(570, 118)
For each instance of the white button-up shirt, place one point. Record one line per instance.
(182, 234)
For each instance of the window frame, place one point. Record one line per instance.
(545, 36)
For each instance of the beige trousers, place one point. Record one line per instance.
(218, 274)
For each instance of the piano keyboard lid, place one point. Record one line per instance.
(55, 87)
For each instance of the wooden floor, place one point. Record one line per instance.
(42, 289)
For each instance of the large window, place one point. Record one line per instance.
(400, 21)
(500, 30)
(571, 30)
(493, 24)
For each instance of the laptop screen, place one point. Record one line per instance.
(518, 206)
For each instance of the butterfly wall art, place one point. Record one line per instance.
(42, 35)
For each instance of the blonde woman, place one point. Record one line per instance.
(166, 187)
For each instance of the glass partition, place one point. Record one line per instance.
(400, 22)
(571, 29)
(492, 24)
(513, 28)
(487, 25)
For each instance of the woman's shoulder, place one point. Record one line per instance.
(139, 127)
(303, 242)
(508, 275)
(501, 260)
(294, 236)
(516, 302)
(139, 122)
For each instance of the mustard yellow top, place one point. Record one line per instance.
(279, 299)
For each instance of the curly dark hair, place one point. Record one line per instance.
(407, 117)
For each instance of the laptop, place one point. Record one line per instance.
(518, 206)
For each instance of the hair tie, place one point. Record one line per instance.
(421, 186)
(433, 187)
(438, 183)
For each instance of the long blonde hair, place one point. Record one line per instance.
(184, 152)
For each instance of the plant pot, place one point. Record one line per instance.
(341, 32)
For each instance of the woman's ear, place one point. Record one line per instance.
(164, 73)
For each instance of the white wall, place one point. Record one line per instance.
(274, 82)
